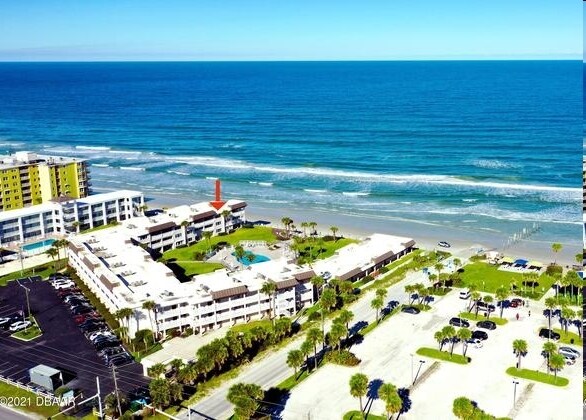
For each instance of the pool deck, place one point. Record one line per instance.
(226, 258)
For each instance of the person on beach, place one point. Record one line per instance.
(517, 316)
(529, 314)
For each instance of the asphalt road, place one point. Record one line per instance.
(273, 369)
(9, 414)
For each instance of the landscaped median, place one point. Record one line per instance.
(534, 375)
(26, 401)
(473, 317)
(357, 415)
(443, 355)
(29, 333)
(569, 337)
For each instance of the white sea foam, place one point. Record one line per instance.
(469, 200)
(125, 152)
(494, 164)
(96, 148)
(132, 168)
(266, 184)
(309, 190)
(355, 194)
(178, 173)
(212, 177)
(101, 165)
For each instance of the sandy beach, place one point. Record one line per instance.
(426, 235)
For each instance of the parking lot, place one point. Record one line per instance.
(388, 355)
(62, 345)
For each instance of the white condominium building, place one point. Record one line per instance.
(123, 275)
(64, 215)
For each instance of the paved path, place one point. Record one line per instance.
(11, 414)
(273, 369)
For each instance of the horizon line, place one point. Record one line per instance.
(288, 60)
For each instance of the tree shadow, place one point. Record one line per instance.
(273, 404)
(406, 399)
(372, 393)
(353, 330)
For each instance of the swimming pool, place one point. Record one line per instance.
(257, 258)
(37, 246)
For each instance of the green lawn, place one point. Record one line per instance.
(480, 317)
(293, 380)
(142, 354)
(357, 415)
(257, 233)
(42, 270)
(7, 390)
(101, 227)
(264, 323)
(566, 337)
(536, 376)
(443, 355)
(29, 334)
(198, 267)
(309, 249)
(487, 278)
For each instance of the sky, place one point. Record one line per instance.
(120, 30)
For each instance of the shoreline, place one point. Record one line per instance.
(426, 236)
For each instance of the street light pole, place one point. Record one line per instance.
(412, 377)
(515, 383)
(21, 261)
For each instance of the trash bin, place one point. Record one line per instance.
(571, 341)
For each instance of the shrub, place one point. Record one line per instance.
(199, 256)
(475, 258)
(553, 269)
(222, 233)
(383, 270)
(329, 238)
(342, 357)
(187, 332)
(314, 316)
(366, 279)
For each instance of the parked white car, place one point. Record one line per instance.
(20, 325)
(465, 294)
(568, 351)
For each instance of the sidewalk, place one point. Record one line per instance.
(12, 266)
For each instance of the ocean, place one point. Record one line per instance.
(483, 147)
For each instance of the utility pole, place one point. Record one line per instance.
(101, 415)
(116, 390)
(21, 261)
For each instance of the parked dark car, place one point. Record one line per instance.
(82, 310)
(356, 291)
(111, 351)
(410, 310)
(105, 344)
(481, 335)
(503, 303)
(485, 307)
(550, 334)
(119, 359)
(459, 322)
(487, 325)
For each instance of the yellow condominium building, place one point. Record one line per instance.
(28, 179)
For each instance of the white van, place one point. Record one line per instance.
(465, 294)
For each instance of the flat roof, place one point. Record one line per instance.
(14, 160)
(360, 255)
(45, 370)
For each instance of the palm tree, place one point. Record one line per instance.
(377, 304)
(520, 350)
(295, 360)
(439, 337)
(556, 363)
(474, 299)
(501, 294)
(336, 333)
(389, 395)
(317, 282)
(160, 392)
(239, 253)
(358, 387)
(334, 230)
(556, 247)
(53, 252)
(381, 293)
(156, 370)
(207, 235)
(188, 374)
(225, 215)
(568, 315)
(464, 334)
(245, 398)
(304, 226)
(326, 302)
(250, 257)
(578, 324)
(550, 304)
(450, 333)
(287, 222)
(488, 300)
(549, 348)
(314, 336)
(345, 317)
(409, 289)
(150, 306)
(305, 349)
(439, 267)
(313, 226)
(269, 288)
(463, 408)
(124, 314)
